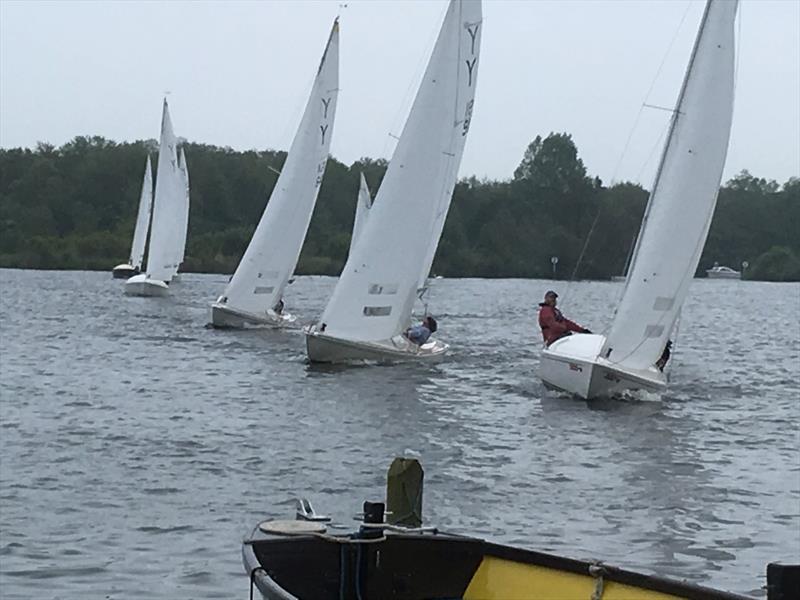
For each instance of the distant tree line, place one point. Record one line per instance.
(74, 207)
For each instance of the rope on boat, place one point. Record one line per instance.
(597, 570)
(253, 579)
(348, 540)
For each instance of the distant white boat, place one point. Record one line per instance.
(254, 295)
(371, 305)
(719, 272)
(170, 220)
(672, 235)
(134, 265)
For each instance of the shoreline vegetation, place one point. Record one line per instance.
(74, 207)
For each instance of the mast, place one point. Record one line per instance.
(679, 211)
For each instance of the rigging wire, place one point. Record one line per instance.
(643, 105)
(404, 106)
(659, 144)
(649, 91)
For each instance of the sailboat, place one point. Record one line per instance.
(184, 170)
(371, 305)
(254, 295)
(134, 264)
(672, 234)
(363, 206)
(170, 220)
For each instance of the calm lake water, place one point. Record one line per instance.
(138, 448)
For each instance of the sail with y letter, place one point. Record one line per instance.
(371, 306)
(254, 295)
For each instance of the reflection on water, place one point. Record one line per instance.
(137, 447)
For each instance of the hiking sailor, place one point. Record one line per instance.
(554, 324)
(419, 334)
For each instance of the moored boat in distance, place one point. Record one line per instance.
(134, 265)
(674, 229)
(254, 295)
(371, 305)
(720, 272)
(170, 219)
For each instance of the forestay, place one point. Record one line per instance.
(142, 218)
(184, 168)
(363, 205)
(375, 294)
(168, 207)
(684, 194)
(272, 255)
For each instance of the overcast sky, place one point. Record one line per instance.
(239, 73)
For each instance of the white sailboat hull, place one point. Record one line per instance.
(327, 349)
(227, 317)
(572, 365)
(124, 271)
(142, 285)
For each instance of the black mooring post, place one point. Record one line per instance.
(783, 582)
(373, 512)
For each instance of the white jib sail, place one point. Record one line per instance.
(363, 205)
(168, 207)
(272, 254)
(684, 195)
(375, 294)
(184, 168)
(142, 218)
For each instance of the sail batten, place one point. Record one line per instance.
(678, 215)
(376, 291)
(270, 259)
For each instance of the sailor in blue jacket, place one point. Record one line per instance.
(419, 334)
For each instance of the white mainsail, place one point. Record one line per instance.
(375, 294)
(169, 207)
(142, 218)
(270, 258)
(184, 168)
(363, 206)
(682, 202)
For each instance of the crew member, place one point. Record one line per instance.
(419, 334)
(554, 324)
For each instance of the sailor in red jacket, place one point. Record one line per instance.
(554, 324)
